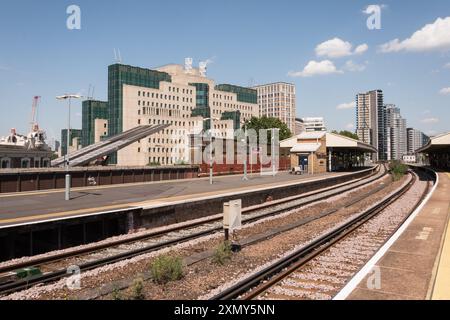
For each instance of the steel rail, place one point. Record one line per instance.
(61, 273)
(274, 273)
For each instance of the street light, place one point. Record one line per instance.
(69, 97)
(210, 148)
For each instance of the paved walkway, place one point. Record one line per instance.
(22, 208)
(417, 265)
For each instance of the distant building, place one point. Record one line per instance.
(95, 121)
(409, 158)
(310, 124)
(278, 100)
(75, 140)
(181, 96)
(24, 151)
(396, 137)
(370, 121)
(416, 140)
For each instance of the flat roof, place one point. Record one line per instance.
(333, 140)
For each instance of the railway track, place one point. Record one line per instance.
(107, 253)
(319, 269)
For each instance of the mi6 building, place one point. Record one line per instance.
(179, 96)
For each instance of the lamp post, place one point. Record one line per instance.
(68, 97)
(210, 147)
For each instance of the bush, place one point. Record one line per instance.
(222, 253)
(154, 164)
(116, 295)
(137, 290)
(166, 268)
(397, 169)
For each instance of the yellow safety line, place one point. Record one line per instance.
(441, 290)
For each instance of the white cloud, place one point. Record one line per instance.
(338, 48)
(447, 65)
(354, 67)
(343, 106)
(430, 120)
(361, 48)
(350, 126)
(445, 91)
(314, 68)
(434, 36)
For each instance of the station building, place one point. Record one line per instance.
(437, 151)
(319, 152)
(181, 96)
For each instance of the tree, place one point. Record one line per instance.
(269, 123)
(347, 133)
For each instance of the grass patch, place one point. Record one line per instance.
(137, 289)
(397, 169)
(116, 294)
(166, 268)
(222, 253)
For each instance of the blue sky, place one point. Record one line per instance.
(249, 42)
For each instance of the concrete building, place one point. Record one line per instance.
(277, 100)
(181, 96)
(75, 140)
(371, 121)
(94, 121)
(396, 137)
(309, 124)
(416, 139)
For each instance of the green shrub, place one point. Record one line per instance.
(154, 164)
(137, 290)
(116, 295)
(166, 268)
(222, 253)
(397, 169)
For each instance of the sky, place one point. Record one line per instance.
(324, 47)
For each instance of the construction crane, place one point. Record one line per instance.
(34, 125)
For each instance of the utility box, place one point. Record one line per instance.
(232, 214)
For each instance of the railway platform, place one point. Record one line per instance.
(23, 208)
(415, 263)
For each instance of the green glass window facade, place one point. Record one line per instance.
(233, 115)
(202, 103)
(92, 109)
(243, 94)
(74, 133)
(118, 75)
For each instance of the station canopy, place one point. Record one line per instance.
(337, 141)
(440, 143)
(304, 142)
